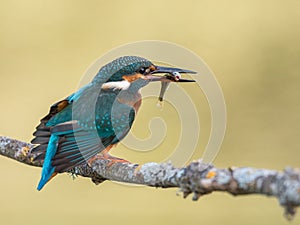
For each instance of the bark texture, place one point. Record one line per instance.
(197, 178)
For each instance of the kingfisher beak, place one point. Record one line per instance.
(170, 70)
(171, 74)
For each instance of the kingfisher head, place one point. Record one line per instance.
(135, 72)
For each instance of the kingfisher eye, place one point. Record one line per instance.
(143, 70)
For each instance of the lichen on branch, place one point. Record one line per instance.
(197, 178)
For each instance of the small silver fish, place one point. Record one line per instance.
(164, 87)
(175, 77)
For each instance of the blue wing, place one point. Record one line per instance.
(71, 133)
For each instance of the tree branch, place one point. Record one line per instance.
(197, 178)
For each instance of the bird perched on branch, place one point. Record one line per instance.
(85, 125)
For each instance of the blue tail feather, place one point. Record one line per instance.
(48, 169)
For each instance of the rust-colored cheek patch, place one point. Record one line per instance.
(133, 77)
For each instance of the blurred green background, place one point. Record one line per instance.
(252, 47)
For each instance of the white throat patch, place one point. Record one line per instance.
(116, 85)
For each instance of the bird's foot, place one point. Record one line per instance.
(137, 169)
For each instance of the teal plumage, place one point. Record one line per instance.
(69, 135)
(94, 118)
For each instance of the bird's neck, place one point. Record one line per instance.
(133, 99)
(129, 93)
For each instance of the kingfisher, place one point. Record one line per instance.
(88, 123)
